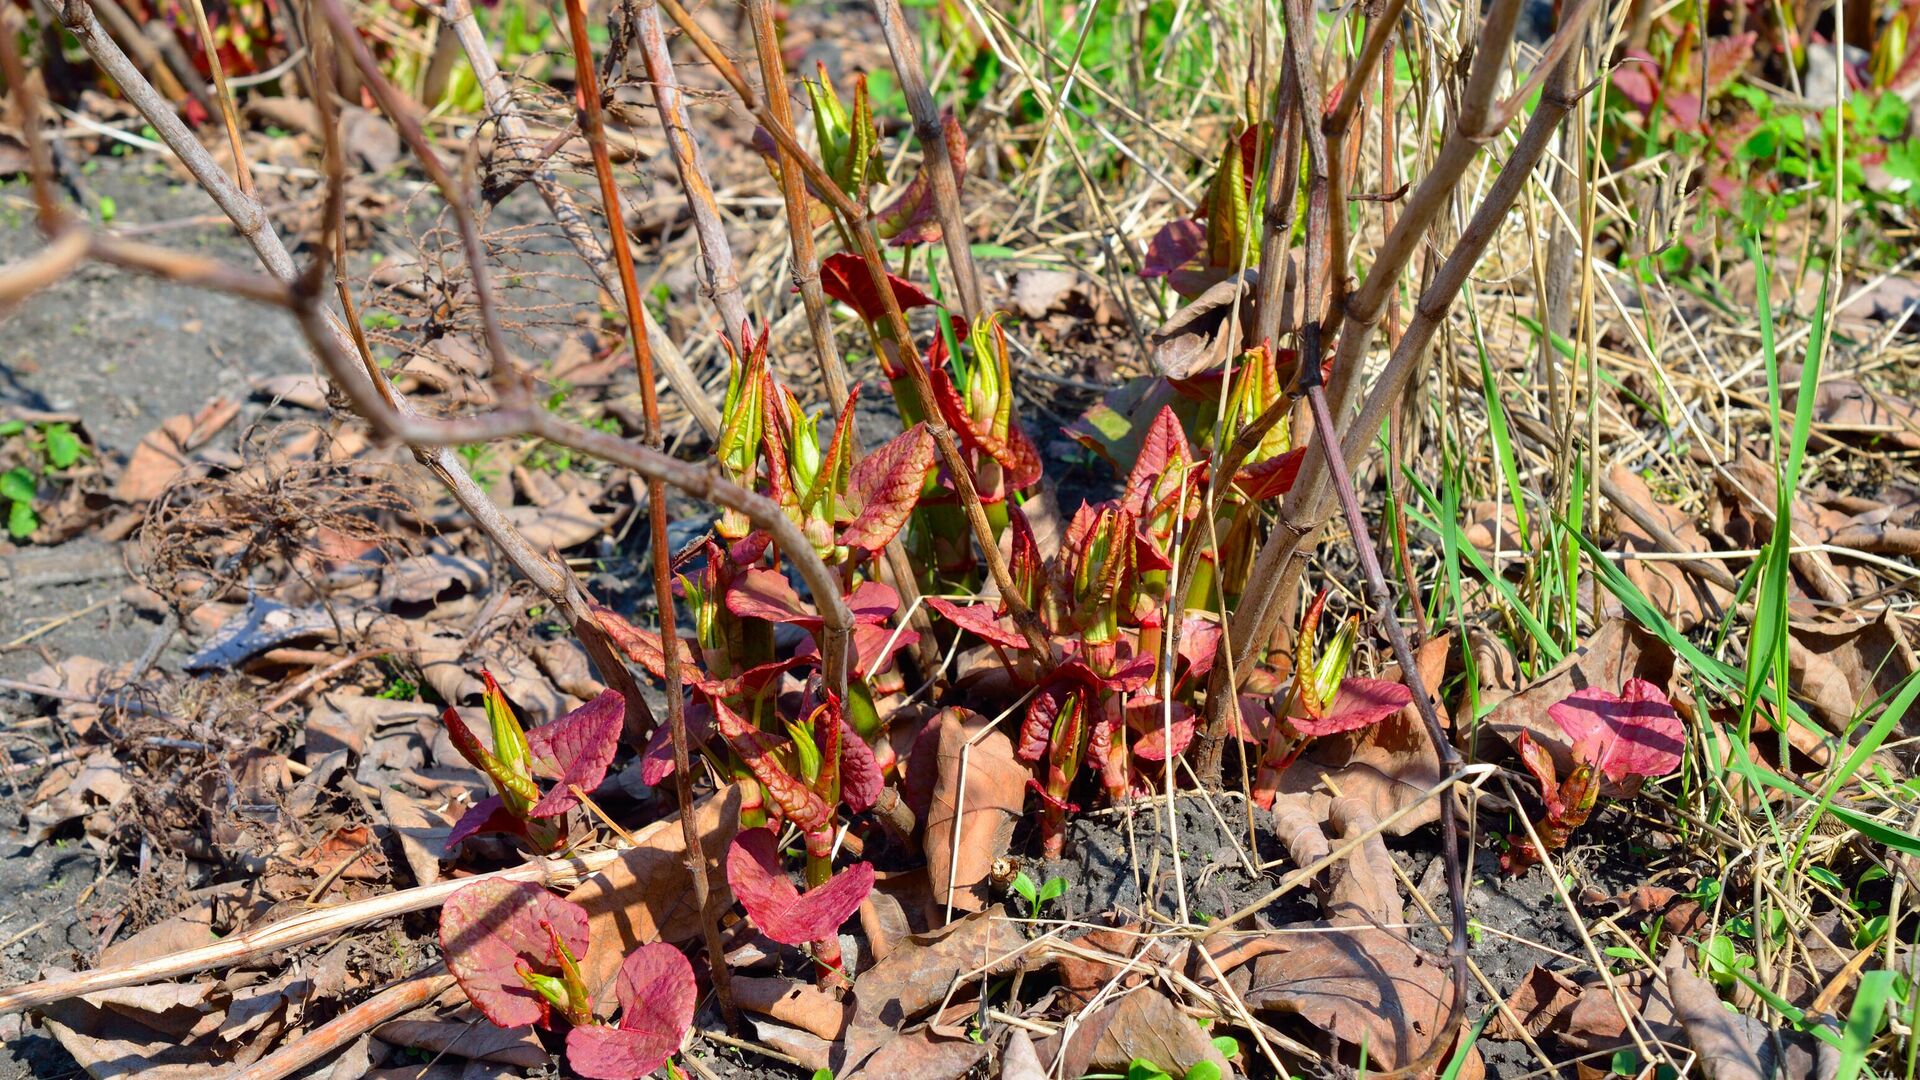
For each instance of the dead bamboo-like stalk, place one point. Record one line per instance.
(1269, 599)
(933, 148)
(250, 220)
(516, 141)
(833, 650)
(229, 112)
(863, 236)
(293, 930)
(793, 191)
(722, 282)
(806, 277)
(395, 1001)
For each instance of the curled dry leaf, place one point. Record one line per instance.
(916, 975)
(648, 895)
(1360, 984)
(791, 1001)
(1680, 595)
(782, 912)
(1726, 1042)
(490, 928)
(980, 806)
(657, 995)
(1143, 1025)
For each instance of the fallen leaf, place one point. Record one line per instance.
(916, 975)
(922, 1055)
(1142, 1024)
(1197, 337)
(648, 896)
(427, 578)
(468, 1038)
(423, 834)
(1727, 1043)
(567, 523)
(1838, 668)
(791, 1001)
(1681, 596)
(1359, 984)
(988, 800)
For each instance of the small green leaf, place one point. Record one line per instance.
(1621, 952)
(823, 1074)
(18, 485)
(1826, 877)
(21, 521)
(1023, 886)
(1053, 889)
(1228, 1046)
(63, 446)
(12, 427)
(1204, 1070)
(1871, 873)
(1626, 1062)
(1870, 932)
(107, 209)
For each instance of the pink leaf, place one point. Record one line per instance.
(1360, 703)
(1539, 761)
(1164, 447)
(1271, 478)
(886, 485)
(1153, 745)
(860, 778)
(1174, 246)
(1727, 59)
(575, 750)
(845, 278)
(489, 815)
(1199, 644)
(776, 907)
(1036, 730)
(1637, 78)
(767, 594)
(643, 646)
(1637, 733)
(657, 996)
(656, 762)
(873, 601)
(979, 620)
(799, 803)
(490, 926)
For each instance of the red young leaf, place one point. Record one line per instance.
(489, 815)
(1637, 78)
(860, 778)
(1174, 246)
(911, 218)
(1360, 703)
(845, 278)
(489, 927)
(1727, 59)
(776, 907)
(1637, 733)
(799, 803)
(575, 750)
(1539, 761)
(1164, 447)
(657, 996)
(767, 594)
(885, 486)
(643, 646)
(1271, 478)
(1153, 744)
(1046, 797)
(979, 620)
(1199, 644)
(656, 761)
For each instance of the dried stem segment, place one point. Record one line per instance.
(395, 1001)
(933, 147)
(593, 123)
(722, 282)
(566, 212)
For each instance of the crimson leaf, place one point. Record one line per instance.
(845, 278)
(575, 750)
(885, 486)
(1360, 703)
(657, 996)
(1635, 733)
(776, 907)
(490, 927)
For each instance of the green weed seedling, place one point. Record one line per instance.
(1037, 896)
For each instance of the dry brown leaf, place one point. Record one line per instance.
(1860, 414)
(1724, 1041)
(921, 1055)
(916, 977)
(426, 578)
(648, 895)
(422, 833)
(1360, 984)
(469, 1037)
(1019, 1060)
(989, 804)
(803, 1005)
(1197, 337)
(1083, 977)
(1365, 889)
(1618, 651)
(1388, 766)
(569, 522)
(1682, 597)
(1141, 1024)
(1839, 668)
(810, 1050)
(1579, 1011)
